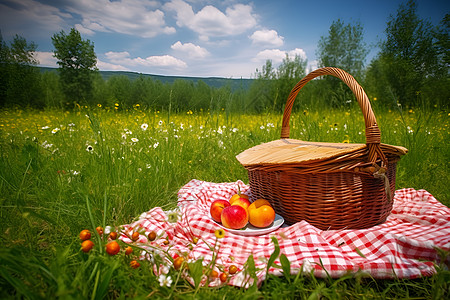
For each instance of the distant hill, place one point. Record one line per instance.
(215, 82)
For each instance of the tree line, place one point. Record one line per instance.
(411, 69)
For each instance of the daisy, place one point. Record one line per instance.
(89, 148)
(134, 140)
(165, 280)
(144, 126)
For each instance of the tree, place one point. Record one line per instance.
(343, 48)
(409, 56)
(261, 90)
(288, 74)
(77, 65)
(443, 42)
(271, 87)
(19, 80)
(4, 66)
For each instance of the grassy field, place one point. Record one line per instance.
(128, 161)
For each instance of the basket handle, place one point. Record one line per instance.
(373, 134)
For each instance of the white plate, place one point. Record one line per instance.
(251, 230)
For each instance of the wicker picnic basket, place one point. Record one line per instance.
(330, 185)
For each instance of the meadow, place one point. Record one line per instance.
(64, 171)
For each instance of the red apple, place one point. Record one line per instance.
(237, 196)
(234, 217)
(216, 209)
(244, 202)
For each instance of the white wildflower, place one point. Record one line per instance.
(55, 130)
(165, 269)
(46, 145)
(165, 280)
(144, 126)
(134, 140)
(107, 229)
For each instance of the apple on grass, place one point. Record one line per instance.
(216, 209)
(234, 217)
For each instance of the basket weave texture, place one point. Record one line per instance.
(330, 185)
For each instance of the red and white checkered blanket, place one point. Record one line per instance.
(402, 247)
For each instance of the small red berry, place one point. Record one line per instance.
(99, 230)
(112, 248)
(233, 269)
(134, 264)
(86, 246)
(128, 250)
(223, 277)
(214, 274)
(152, 236)
(135, 236)
(85, 235)
(178, 262)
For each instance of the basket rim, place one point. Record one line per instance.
(293, 151)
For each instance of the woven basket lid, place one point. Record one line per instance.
(289, 151)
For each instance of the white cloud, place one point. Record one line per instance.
(211, 22)
(46, 59)
(164, 61)
(32, 17)
(267, 38)
(84, 30)
(312, 65)
(277, 55)
(193, 51)
(104, 66)
(132, 17)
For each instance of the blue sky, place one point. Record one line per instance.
(229, 38)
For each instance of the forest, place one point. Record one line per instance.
(410, 70)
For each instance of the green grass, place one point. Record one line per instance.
(52, 161)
